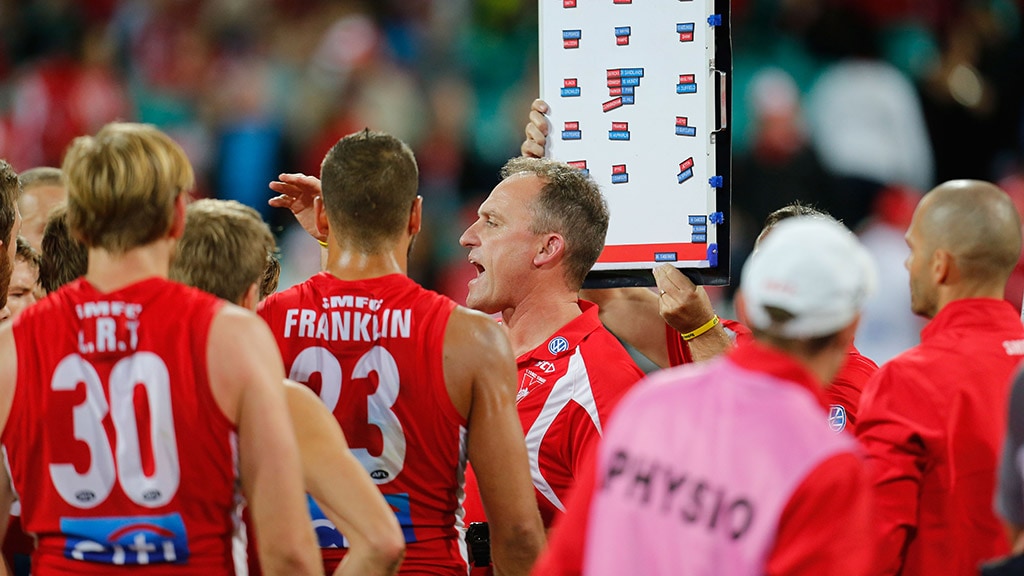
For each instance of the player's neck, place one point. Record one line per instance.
(538, 317)
(108, 272)
(354, 265)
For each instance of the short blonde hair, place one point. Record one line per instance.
(225, 249)
(122, 185)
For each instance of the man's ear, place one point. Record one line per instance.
(178, 221)
(552, 250)
(943, 268)
(320, 213)
(846, 335)
(251, 298)
(416, 216)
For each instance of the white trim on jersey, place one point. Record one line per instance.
(240, 537)
(460, 495)
(573, 386)
(16, 505)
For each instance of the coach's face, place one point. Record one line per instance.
(7, 264)
(502, 245)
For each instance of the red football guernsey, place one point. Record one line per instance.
(567, 388)
(117, 449)
(373, 350)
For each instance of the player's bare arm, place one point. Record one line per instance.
(481, 376)
(343, 490)
(245, 376)
(8, 382)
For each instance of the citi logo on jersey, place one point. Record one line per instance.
(128, 540)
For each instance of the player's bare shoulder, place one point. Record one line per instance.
(473, 332)
(477, 355)
(240, 352)
(476, 329)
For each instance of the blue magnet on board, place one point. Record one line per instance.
(713, 255)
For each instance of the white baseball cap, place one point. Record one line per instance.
(815, 269)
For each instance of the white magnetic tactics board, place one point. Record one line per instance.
(639, 101)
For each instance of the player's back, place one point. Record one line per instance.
(374, 352)
(117, 448)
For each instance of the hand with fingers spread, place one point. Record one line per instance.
(296, 192)
(537, 130)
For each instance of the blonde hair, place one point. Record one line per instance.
(225, 249)
(122, 185)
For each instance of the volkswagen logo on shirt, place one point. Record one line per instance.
(558, 344)
(836, 418)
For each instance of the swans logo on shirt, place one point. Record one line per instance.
(557, 345)
(528, 382)
(836, 418)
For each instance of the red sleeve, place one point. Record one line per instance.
(895, 442)
(567, 538)
(678, 351)
(826, 525)
(846, 388)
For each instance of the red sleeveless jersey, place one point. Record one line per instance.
(373, 350)
(119, 453)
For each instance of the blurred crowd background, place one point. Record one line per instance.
(855, 106)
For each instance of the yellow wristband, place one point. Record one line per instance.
(707, 326)
(322, 243)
